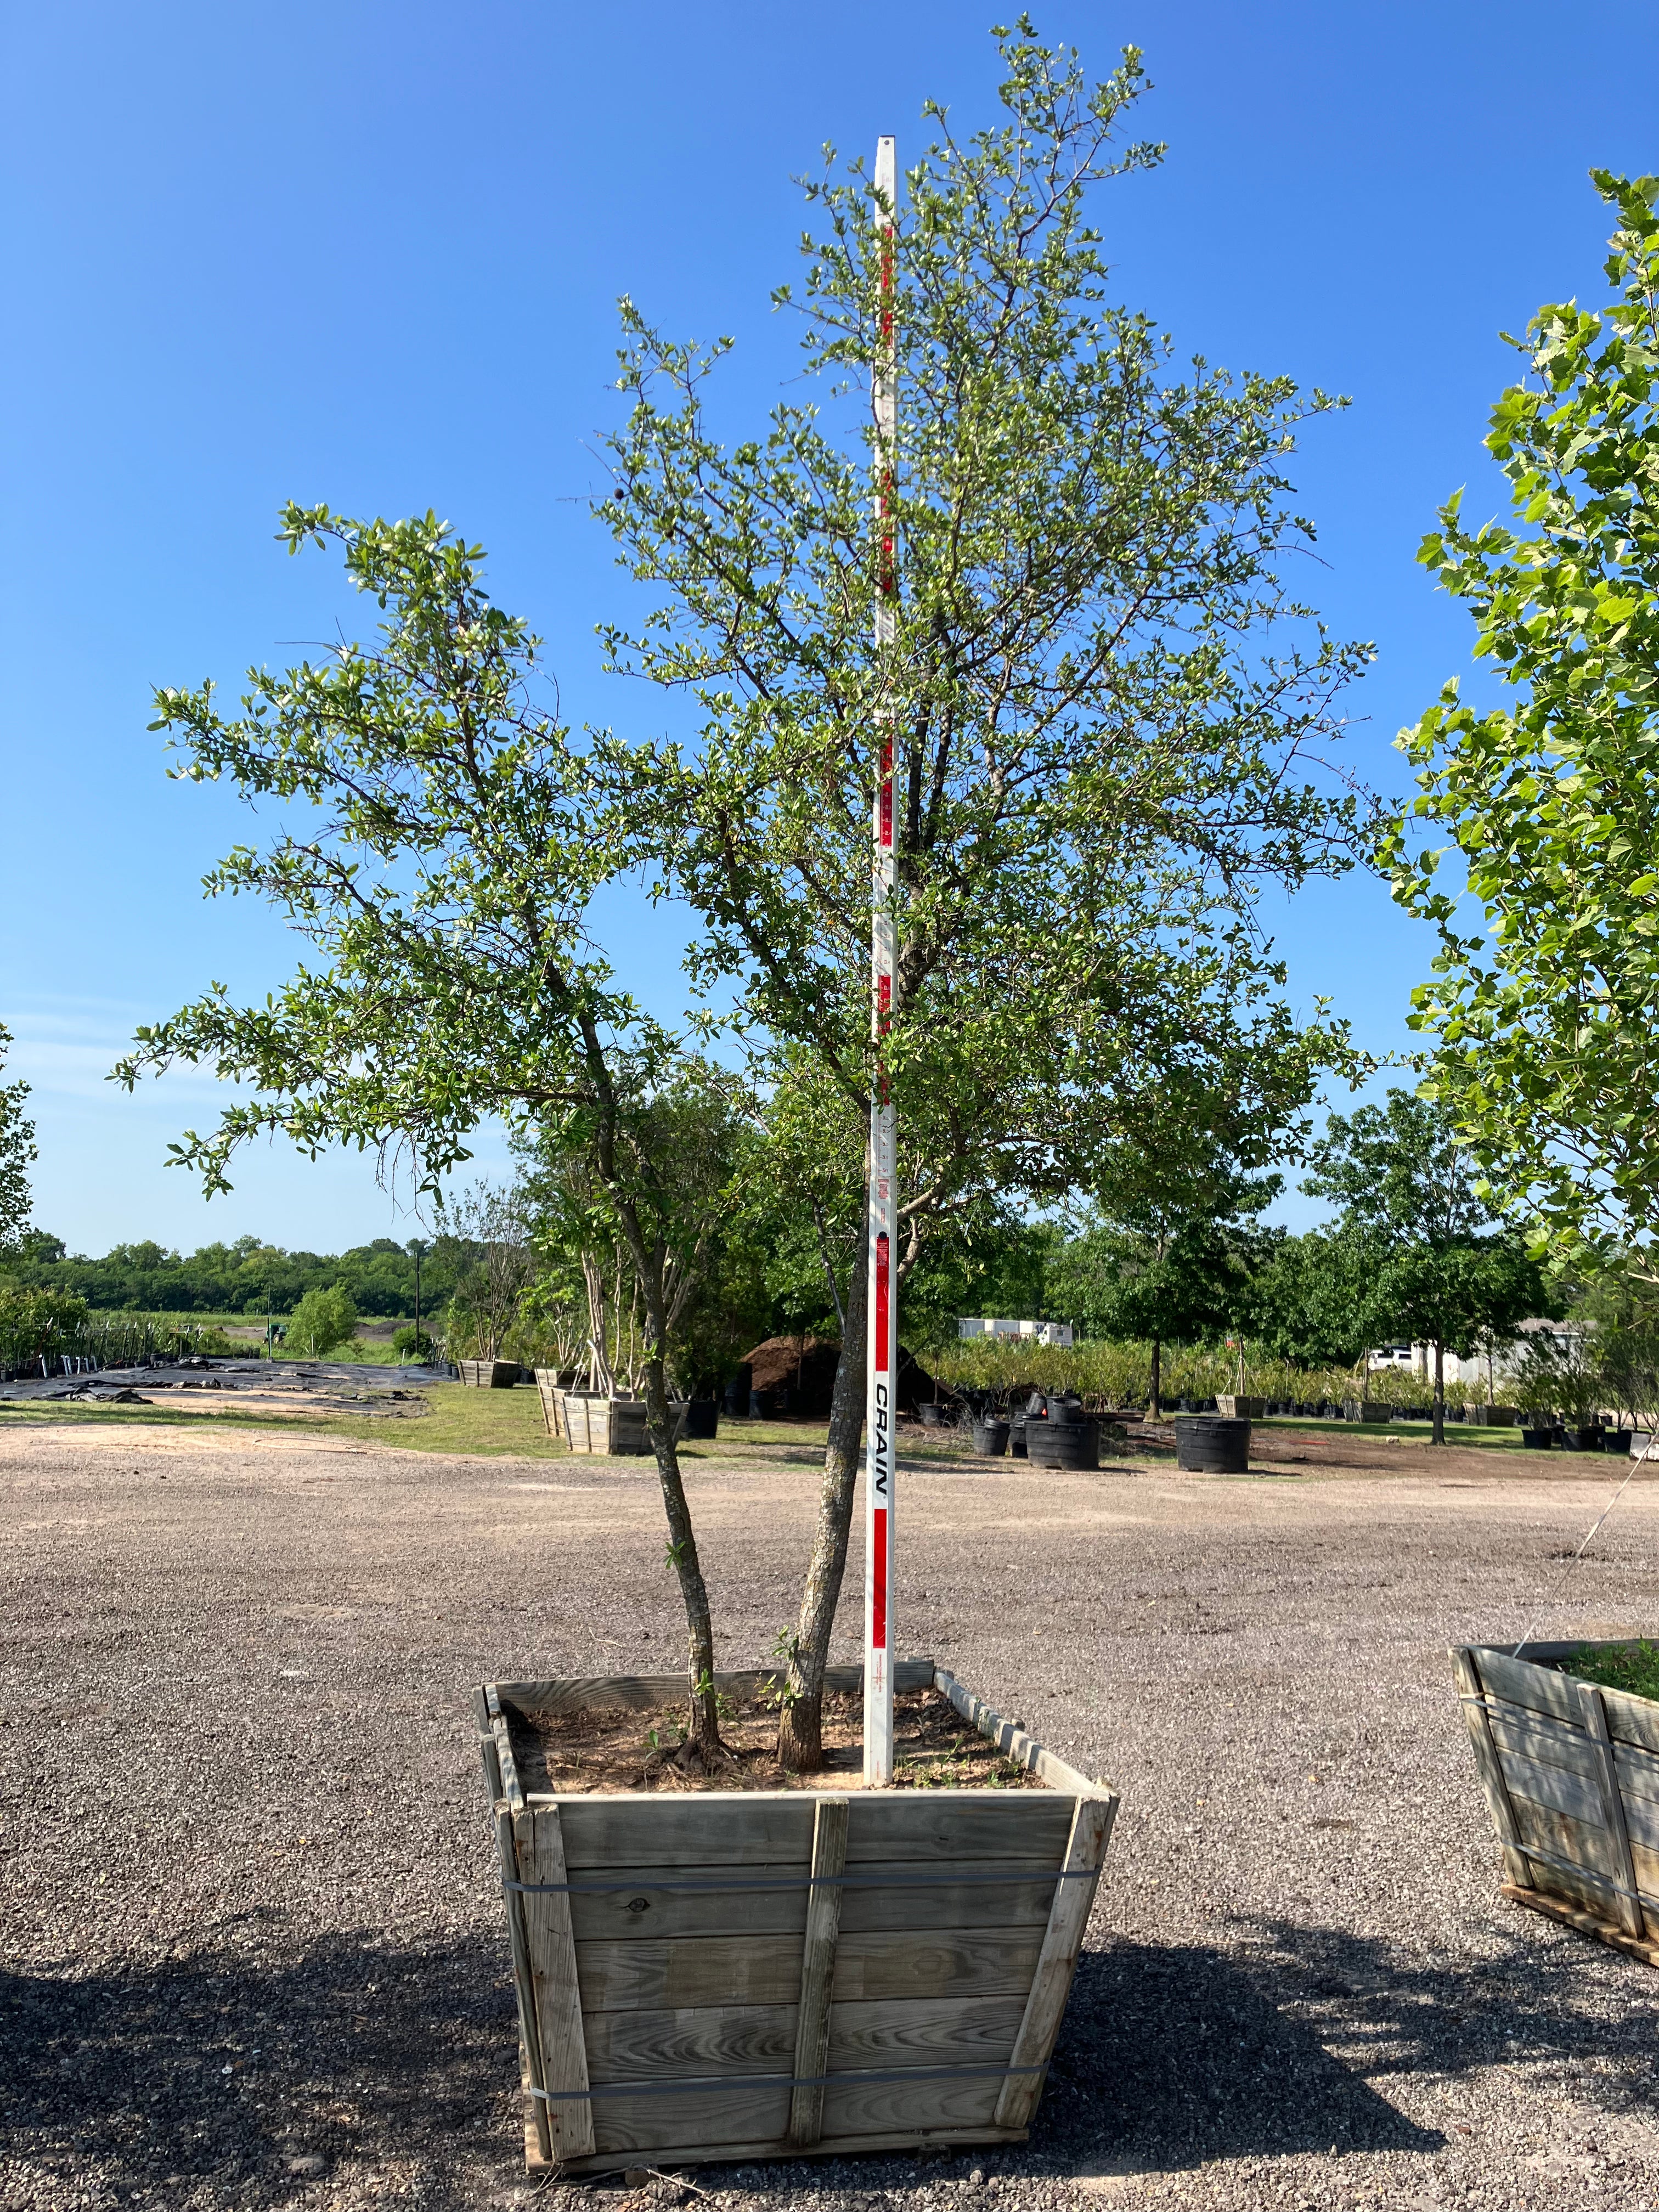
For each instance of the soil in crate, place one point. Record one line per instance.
(624, 1748)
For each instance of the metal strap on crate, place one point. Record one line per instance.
(1589, 1875)
(1506, 1709)
(781, 2081)
(809, 1881)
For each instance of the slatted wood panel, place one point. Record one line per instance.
(756, 1828)
(766, 1969)
(709, 2117)
(818, 1973)
(1584, 1799)
(645, 1908)
(701, 1991)
(701, 2040)
(552, 1957)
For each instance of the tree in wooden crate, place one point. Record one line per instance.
(445, 838)
(1109, 712)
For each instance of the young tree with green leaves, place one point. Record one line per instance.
(1111, 713)
(442, 841)
(1544, 1018)
(321, 1321)
(17, 1154)
(1169, 1253)
(1441, 1269)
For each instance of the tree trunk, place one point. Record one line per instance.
(703, 1731)
(1439, 1432)
(1157, 1358)
(705, 1727)
(801, 1726)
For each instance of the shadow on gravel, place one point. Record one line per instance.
(220, 2068)
(1169, 2056)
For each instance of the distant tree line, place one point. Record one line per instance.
(246, 1277)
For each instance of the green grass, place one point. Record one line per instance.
(1457, 1432)
(1636, 1670)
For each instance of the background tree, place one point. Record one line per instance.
(1310, 1299)
(1168, 1252)
(1442, 1269)
(1546, 1019)
(1106, 709)
(322, 1320)
(17, 1154)
(447, 838)
(698, 1120)
(488, 1224)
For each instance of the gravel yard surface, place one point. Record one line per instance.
(253, 1952)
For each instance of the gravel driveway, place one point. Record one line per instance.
(252, 1950)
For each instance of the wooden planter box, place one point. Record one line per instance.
(771, 1974)
(600, 1426)
(489, 1374)
(1570, 1773)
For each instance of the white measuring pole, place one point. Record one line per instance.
(881, 1372)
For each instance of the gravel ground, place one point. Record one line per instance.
(252, 1949)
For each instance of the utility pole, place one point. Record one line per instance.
(881, 1372)
(416, 1249)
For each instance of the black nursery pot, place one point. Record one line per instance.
(1586, 1439)
(933, 1417)
(1537, 1439)
(1068, 1443)
(1017, 1436)
(702, 1418)
(1208, 1444)
(991, 1438)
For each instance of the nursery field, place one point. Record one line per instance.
(248, 1893)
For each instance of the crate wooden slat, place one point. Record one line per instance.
(601, 1427)
(1571, 1778)
(489, 1374)
(911, 1997)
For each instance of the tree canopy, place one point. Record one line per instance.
(17, 1152)
(1544, 1019)
(1417, 1240)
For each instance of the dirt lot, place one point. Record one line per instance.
(246, 1897)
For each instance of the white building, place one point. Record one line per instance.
(1034, 1332)
(1482, 1367)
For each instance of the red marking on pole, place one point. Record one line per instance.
(884, 1351)
(879, 1583)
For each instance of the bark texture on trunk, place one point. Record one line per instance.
(800, 1726)
(705, 1731)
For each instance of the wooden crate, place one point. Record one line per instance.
(1570, 1773)
(600, 1426)
(774, 1974)
(489, 1374)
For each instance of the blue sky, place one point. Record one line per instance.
(370, 254)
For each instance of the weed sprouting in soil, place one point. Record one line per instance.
(1634, 1667)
